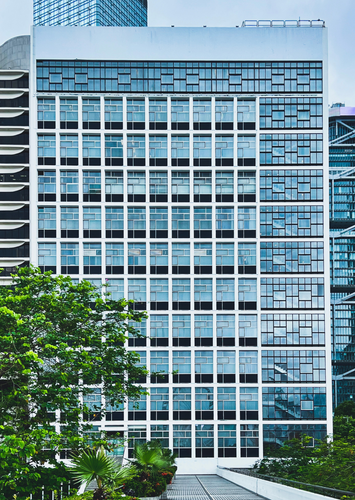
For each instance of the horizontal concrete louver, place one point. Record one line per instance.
(11, 132)
(11, 94)
(14, 123)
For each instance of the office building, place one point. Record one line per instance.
(189, 173)
(14, 155)
(342, 244)
(90, 12)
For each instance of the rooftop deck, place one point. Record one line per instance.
(207, 488)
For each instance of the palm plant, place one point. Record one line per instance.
(149, 458)
(155, 468)
(96, 465)
(169, 456)
(121, 475)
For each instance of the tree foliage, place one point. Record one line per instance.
(287, 459)
(345, 409)
(344, 429)
(329, 463)
(59, 341)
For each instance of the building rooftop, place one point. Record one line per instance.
(341, 111)
(187, 44)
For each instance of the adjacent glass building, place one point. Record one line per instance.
(342, 244)
(90, 12)
(188, 174)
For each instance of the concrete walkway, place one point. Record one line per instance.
(207, 488)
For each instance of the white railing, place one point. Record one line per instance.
(317, 23)
(63, 491)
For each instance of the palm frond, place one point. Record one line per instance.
(123, 474)
(92, 465)
(149, 457)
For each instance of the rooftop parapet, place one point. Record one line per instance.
(342, 111)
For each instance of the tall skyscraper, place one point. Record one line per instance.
(342, 247)
(90, 12)
(189, 172)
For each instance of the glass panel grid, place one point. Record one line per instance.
(209, 77)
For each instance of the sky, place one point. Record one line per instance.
(339, 15)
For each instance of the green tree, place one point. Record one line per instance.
(329, 463)
(344, 429)
(286, 460)
(332, 465)
(344, 422)
(345, 409)
(59, 341)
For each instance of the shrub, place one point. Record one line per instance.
(110, 495)
(155, 466)
(152, 487)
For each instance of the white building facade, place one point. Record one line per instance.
(187, 169)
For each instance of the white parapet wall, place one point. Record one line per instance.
(268, 489)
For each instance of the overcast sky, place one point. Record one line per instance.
(16, 18)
